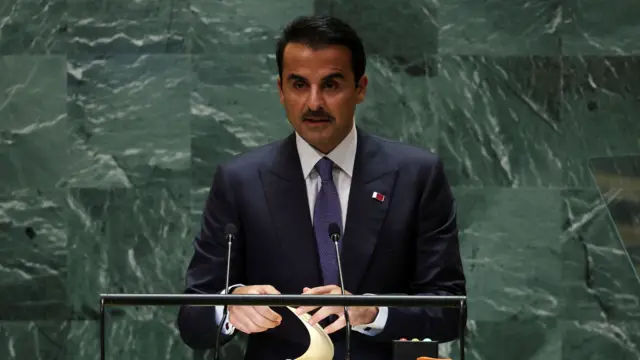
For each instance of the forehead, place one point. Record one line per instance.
(311, 63)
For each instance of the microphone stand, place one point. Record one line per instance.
(226, 291)
(346, 312)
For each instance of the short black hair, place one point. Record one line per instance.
(318, 31)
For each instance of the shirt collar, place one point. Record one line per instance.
(343, 155)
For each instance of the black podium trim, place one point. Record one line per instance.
(281, 300)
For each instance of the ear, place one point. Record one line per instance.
(362, 89)
(280, 91)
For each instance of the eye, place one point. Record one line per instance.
(331, 85)
(298, 84)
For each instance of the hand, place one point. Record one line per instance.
(253, 319)
(357, 315)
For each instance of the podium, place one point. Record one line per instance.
(281, 300)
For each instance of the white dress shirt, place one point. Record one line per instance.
(343, 156)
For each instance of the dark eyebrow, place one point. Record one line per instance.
(336, 75)
(294, 77)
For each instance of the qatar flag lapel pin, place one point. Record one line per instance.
(376, 195)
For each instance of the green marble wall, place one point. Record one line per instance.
(113, 114)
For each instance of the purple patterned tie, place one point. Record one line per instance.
(326, 211)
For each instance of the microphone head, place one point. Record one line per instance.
(334, 231)
(230, 229)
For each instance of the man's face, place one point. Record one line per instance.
(319, 93)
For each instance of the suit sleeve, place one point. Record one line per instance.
(206, 271)
(438, 267)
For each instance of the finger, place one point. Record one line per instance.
(268, 290)
(336, 325)
(255, 328)
(312, 291)
(265, 311)
(259, 323)
(251, 321)
(240, 322)
(323, 313)
(305, 309)
(324, 290)
(258, 319)
(321, 289)
(243, 326)
(268, 314)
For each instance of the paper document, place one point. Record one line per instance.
(320, 344)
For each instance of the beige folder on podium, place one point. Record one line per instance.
(320, 344)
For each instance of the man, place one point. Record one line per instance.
(391, 201)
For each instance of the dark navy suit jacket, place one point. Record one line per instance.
(406, 244)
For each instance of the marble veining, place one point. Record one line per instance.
(114, 114)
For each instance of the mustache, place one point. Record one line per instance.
(317, 114)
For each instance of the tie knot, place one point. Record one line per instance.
(325, 167)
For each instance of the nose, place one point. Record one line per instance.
(316, 100)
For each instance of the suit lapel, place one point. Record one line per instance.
(286, 194)
(373, 172)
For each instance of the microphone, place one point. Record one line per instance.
(334, 235)
(230, 231)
